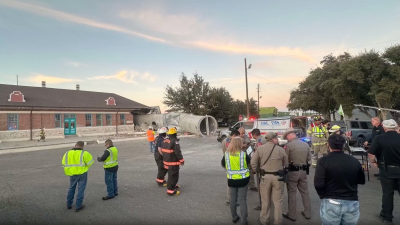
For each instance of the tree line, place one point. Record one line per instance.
(196, 96)
(369, 78)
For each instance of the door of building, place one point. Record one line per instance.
(69, 124)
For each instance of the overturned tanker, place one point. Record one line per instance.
(201, 125)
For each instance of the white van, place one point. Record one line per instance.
(277, 125)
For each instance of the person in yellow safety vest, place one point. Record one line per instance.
(237, 165)
(76, 163)
(110, 160)
(319, 136)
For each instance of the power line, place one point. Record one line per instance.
(311, 53)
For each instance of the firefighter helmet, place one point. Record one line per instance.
(162, 130)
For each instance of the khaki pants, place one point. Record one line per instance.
(323, 149)
(271, 190)
(251, 182)
(298, 180)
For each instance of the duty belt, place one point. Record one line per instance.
(262, 173)
(297, 168)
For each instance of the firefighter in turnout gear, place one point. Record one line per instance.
(162, 171)
(172, 156)
(319, 136)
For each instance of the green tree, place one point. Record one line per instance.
(219, 103)
(190, 97)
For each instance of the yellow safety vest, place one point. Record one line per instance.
(76, 162)
(318, 132)
(236, 166)
(112, 159)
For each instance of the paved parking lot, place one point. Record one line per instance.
(33, 190)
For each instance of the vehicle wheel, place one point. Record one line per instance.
(360, 142)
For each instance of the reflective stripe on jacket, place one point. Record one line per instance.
(236, 166)
(112, 159)
(76, 162)
(171, 150)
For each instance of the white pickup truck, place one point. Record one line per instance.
(277, 125)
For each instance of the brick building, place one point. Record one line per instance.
(24, 110)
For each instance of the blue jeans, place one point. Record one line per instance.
(344, 213)
(152, 146)
(111, 182)
(81, 181)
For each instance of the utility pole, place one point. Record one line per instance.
(258, 98)
(247, 91)
(17, 79)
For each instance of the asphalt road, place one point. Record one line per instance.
(33, 190)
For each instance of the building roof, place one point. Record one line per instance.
(44, 97)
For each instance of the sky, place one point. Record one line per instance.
(137, 48)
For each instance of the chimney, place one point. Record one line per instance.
(43, 84)
(77, 87)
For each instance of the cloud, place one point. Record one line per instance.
(202, 36)
(253, 50)
(126, 77)
(75, 64)
(75, 19)
(38, 78)
(158, 20)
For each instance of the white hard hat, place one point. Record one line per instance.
(150, 127)
(162, 130)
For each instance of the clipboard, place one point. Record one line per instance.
(249, 150)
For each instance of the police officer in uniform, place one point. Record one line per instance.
(225, 144)
(161, 171)
(319, 136)
(173, 158)
(259, 141)
(386, 149)
(298, 154)
(110, 161)
(271, 159)
(246, 144)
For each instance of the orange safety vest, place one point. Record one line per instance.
(150, 135)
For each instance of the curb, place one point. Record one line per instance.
(65, 145)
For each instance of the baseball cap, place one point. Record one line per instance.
(270, 135)
(391, 124)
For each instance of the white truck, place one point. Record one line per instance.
(277, 125)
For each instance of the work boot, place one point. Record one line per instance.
(176, 193)
(78, 210)
(285, 215)
(253, 189)
(177, 186)
(378, 217)
(107, 198)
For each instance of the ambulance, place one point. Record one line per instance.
(277, 125)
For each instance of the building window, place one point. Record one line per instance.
(108, 120)
(88, 118)
(69, 115)
(99, 120)
(57, 118)
(122, 119)
(12, 121)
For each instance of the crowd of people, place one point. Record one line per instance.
(336, 179)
